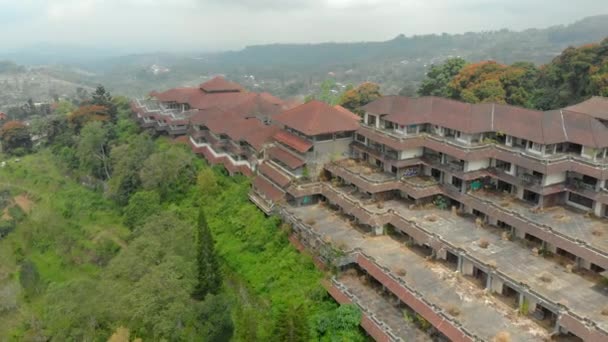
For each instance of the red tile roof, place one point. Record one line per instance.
(266, 188)
(239, 127)
(179, 95)
(218, 121)
(348, 113)
(3, 116)
(220, 85)
(256, 104)
(596, 106)
(261, 136)
(316, 117)
(221, 100)
(542, 127)
(287, 158)
(299, 144)
(274, 175)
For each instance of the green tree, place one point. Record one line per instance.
(93, 150)
(101, 97)
(171, 172)
(573, 76)
(29, 278)
(327, 93)
(64, 108)
(340, 324)
(291, 325)
(439, 76)
(209, 277)
(126, 160)
(141, 207)
(216, 318)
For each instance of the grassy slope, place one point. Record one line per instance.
(60, 234)
(67, 221)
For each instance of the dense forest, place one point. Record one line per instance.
(573, 76)
(110, 234)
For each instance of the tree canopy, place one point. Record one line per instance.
(573, 76)
(439, 76)
(15, 138)
(353, 99)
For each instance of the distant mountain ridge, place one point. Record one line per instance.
(533, 45)
(288, 70)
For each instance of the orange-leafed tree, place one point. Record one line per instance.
(88, 113)
(353, 99)
(15, 137)
(489, 81)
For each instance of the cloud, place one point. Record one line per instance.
(221, 24)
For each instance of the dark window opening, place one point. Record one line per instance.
(452, 260)
(580, 200)
(565, 254)
(503, 225)
(531, 197)
(503, 165)
(457, 182)
(533, 239)
(436, 174)
(504, 186)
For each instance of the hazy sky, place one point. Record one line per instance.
(228, 24)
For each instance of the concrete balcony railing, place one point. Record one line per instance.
(221, 153)
(448, 325)
(544, 160)
(577, 183)
(423, 235)
(379, 329)
(528, 179)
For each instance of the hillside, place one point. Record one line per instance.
(19, 83)
(88, 253)
(288, 70)
(296, 69)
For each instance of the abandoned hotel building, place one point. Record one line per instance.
(443, 220)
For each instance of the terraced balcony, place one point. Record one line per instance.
(458, 309)
(484, 253)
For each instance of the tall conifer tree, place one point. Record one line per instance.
(209, 279)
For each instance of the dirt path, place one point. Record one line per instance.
(24, 203)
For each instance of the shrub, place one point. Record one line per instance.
(141, 206)
(502, 336)
(453, 310)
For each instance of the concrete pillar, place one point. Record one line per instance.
(489, 281)
(442, 254)
(379, 230)
(459, 267)
(467, 267)
(597, 208)
(520, 192)
(496, 285)
(520, 233)
(492, 221)
(582, 263)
